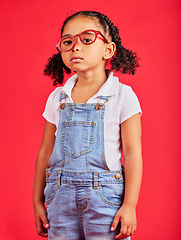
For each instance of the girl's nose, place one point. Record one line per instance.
(77, 45)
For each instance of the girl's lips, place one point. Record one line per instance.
(76, 59)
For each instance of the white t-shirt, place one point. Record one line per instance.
(122, 105)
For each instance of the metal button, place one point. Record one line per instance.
(62, 106)
(99, 106)
(118, 176)
(48, 174)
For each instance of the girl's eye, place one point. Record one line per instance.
(67, 42)
(87, 40)
(88, 37)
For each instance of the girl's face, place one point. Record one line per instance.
(84, 57)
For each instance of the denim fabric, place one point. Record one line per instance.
(82, 194)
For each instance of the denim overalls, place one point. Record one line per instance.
(82, 194)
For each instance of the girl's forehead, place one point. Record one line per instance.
(79, 24)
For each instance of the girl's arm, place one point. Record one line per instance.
(131, 142)
(40, 178)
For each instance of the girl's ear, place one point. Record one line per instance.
(109, 50)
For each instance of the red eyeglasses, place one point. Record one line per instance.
(87, 37)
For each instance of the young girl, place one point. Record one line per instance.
(89, 121)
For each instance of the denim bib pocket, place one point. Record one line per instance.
(51, 187)
(112, 193)
(83, 133)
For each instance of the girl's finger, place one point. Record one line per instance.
(45, 221)
(132, 230)
(122, 233)
(39, 226)
(115, 223)
(123, 230)
(129, 229)
(41, 230)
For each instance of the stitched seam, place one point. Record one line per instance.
(91, 136)
(79, 123)
(71, 113)
(63, 161)
(87, 183)
(85, 199)
(51, 169)
(81, 224)
(63, 137)
(86, 162)
(80, 213)
(90, 124)
(105, 200)
(75, 155)
(48, 201)
(102, 141)
(95, 183)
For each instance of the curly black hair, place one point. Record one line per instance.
(124, 60)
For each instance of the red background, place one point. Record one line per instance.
(29, 31)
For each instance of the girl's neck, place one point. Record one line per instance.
(91, 79)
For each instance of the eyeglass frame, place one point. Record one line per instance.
(79, 35)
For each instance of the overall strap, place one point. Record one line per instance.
(104, 97)
(62, 96)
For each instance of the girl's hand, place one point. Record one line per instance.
(127, 216)
(41, 220)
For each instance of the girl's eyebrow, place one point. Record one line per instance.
(66, 35)
(70, 35)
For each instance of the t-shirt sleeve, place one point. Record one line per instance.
(129, 104)
(50, 108)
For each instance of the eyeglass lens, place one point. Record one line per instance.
(86, 38)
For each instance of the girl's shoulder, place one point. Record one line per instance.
(116, 82)
(126, 97)
(128, 102)
(123, 89)
(55, 94)
(52, 104)
(56, 91)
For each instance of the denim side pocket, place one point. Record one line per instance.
(51, 187)
(112, 193)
